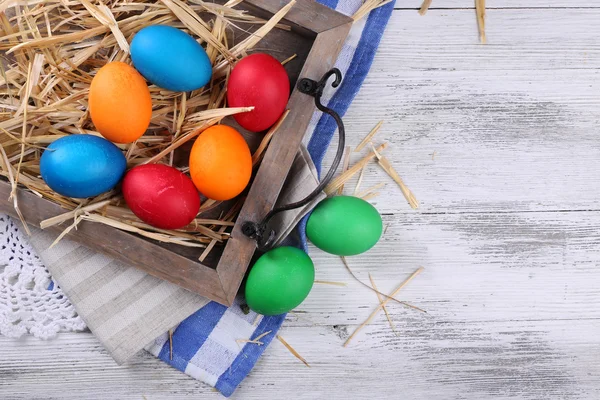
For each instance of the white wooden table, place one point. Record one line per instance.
(501, 145)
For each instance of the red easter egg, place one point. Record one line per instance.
(161, 196)
(258, 80)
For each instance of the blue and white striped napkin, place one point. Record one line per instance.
(205, 345)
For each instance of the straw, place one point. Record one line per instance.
(386, 165)
(292, 350)
(424, 7)
(369, 137)
(382, 304)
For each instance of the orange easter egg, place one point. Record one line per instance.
(220, 163)
(120, 103)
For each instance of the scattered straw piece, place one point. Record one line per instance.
(262, 335)
(257, 319)
(424, 7)
(72, 214)
(367, 7)
(335, 184)
(387, 167)
(378, 292)
(370, 196)
(359, 181)
(256, 340)
(238, 341)
(66, 231)
(480, 10)
(368, 138)
(380, 306)
(291, 349)
(344, 168)
(370, 190)
(211, 245)
(290, 58)
(331, 283)
(9, 170)
(387, 315)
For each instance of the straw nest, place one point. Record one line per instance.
(51, 50)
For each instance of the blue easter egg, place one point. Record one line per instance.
(170, 58)
(82, 165)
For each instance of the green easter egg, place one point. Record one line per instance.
(279, 281)
(344, 226)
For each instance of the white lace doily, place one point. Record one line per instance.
(27, 305)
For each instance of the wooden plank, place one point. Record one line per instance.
(517, 360)
(509, 126)
(306, 14)
(277, 161)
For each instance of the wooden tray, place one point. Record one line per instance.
(317, 36)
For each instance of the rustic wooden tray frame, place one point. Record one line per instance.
(307, 18)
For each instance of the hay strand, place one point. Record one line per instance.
(424, 7)
(342, 284)
(369, 137)
(256, 340)
(385, 164)
(290, 58)
(376, 291)
(345, 168)
(291, 350)
(335, 183)
(370, 190)
(264, 143)
(380, 306)
(367, 7)
(480, 10)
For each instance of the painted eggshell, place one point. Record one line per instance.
(279, 281)
(170, 58)
(220, 163)
(161, 196)
(82, 165)
(120, 103)
(344, 226)
(258, 80)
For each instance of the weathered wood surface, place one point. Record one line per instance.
(513, 124)
(507, 232)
